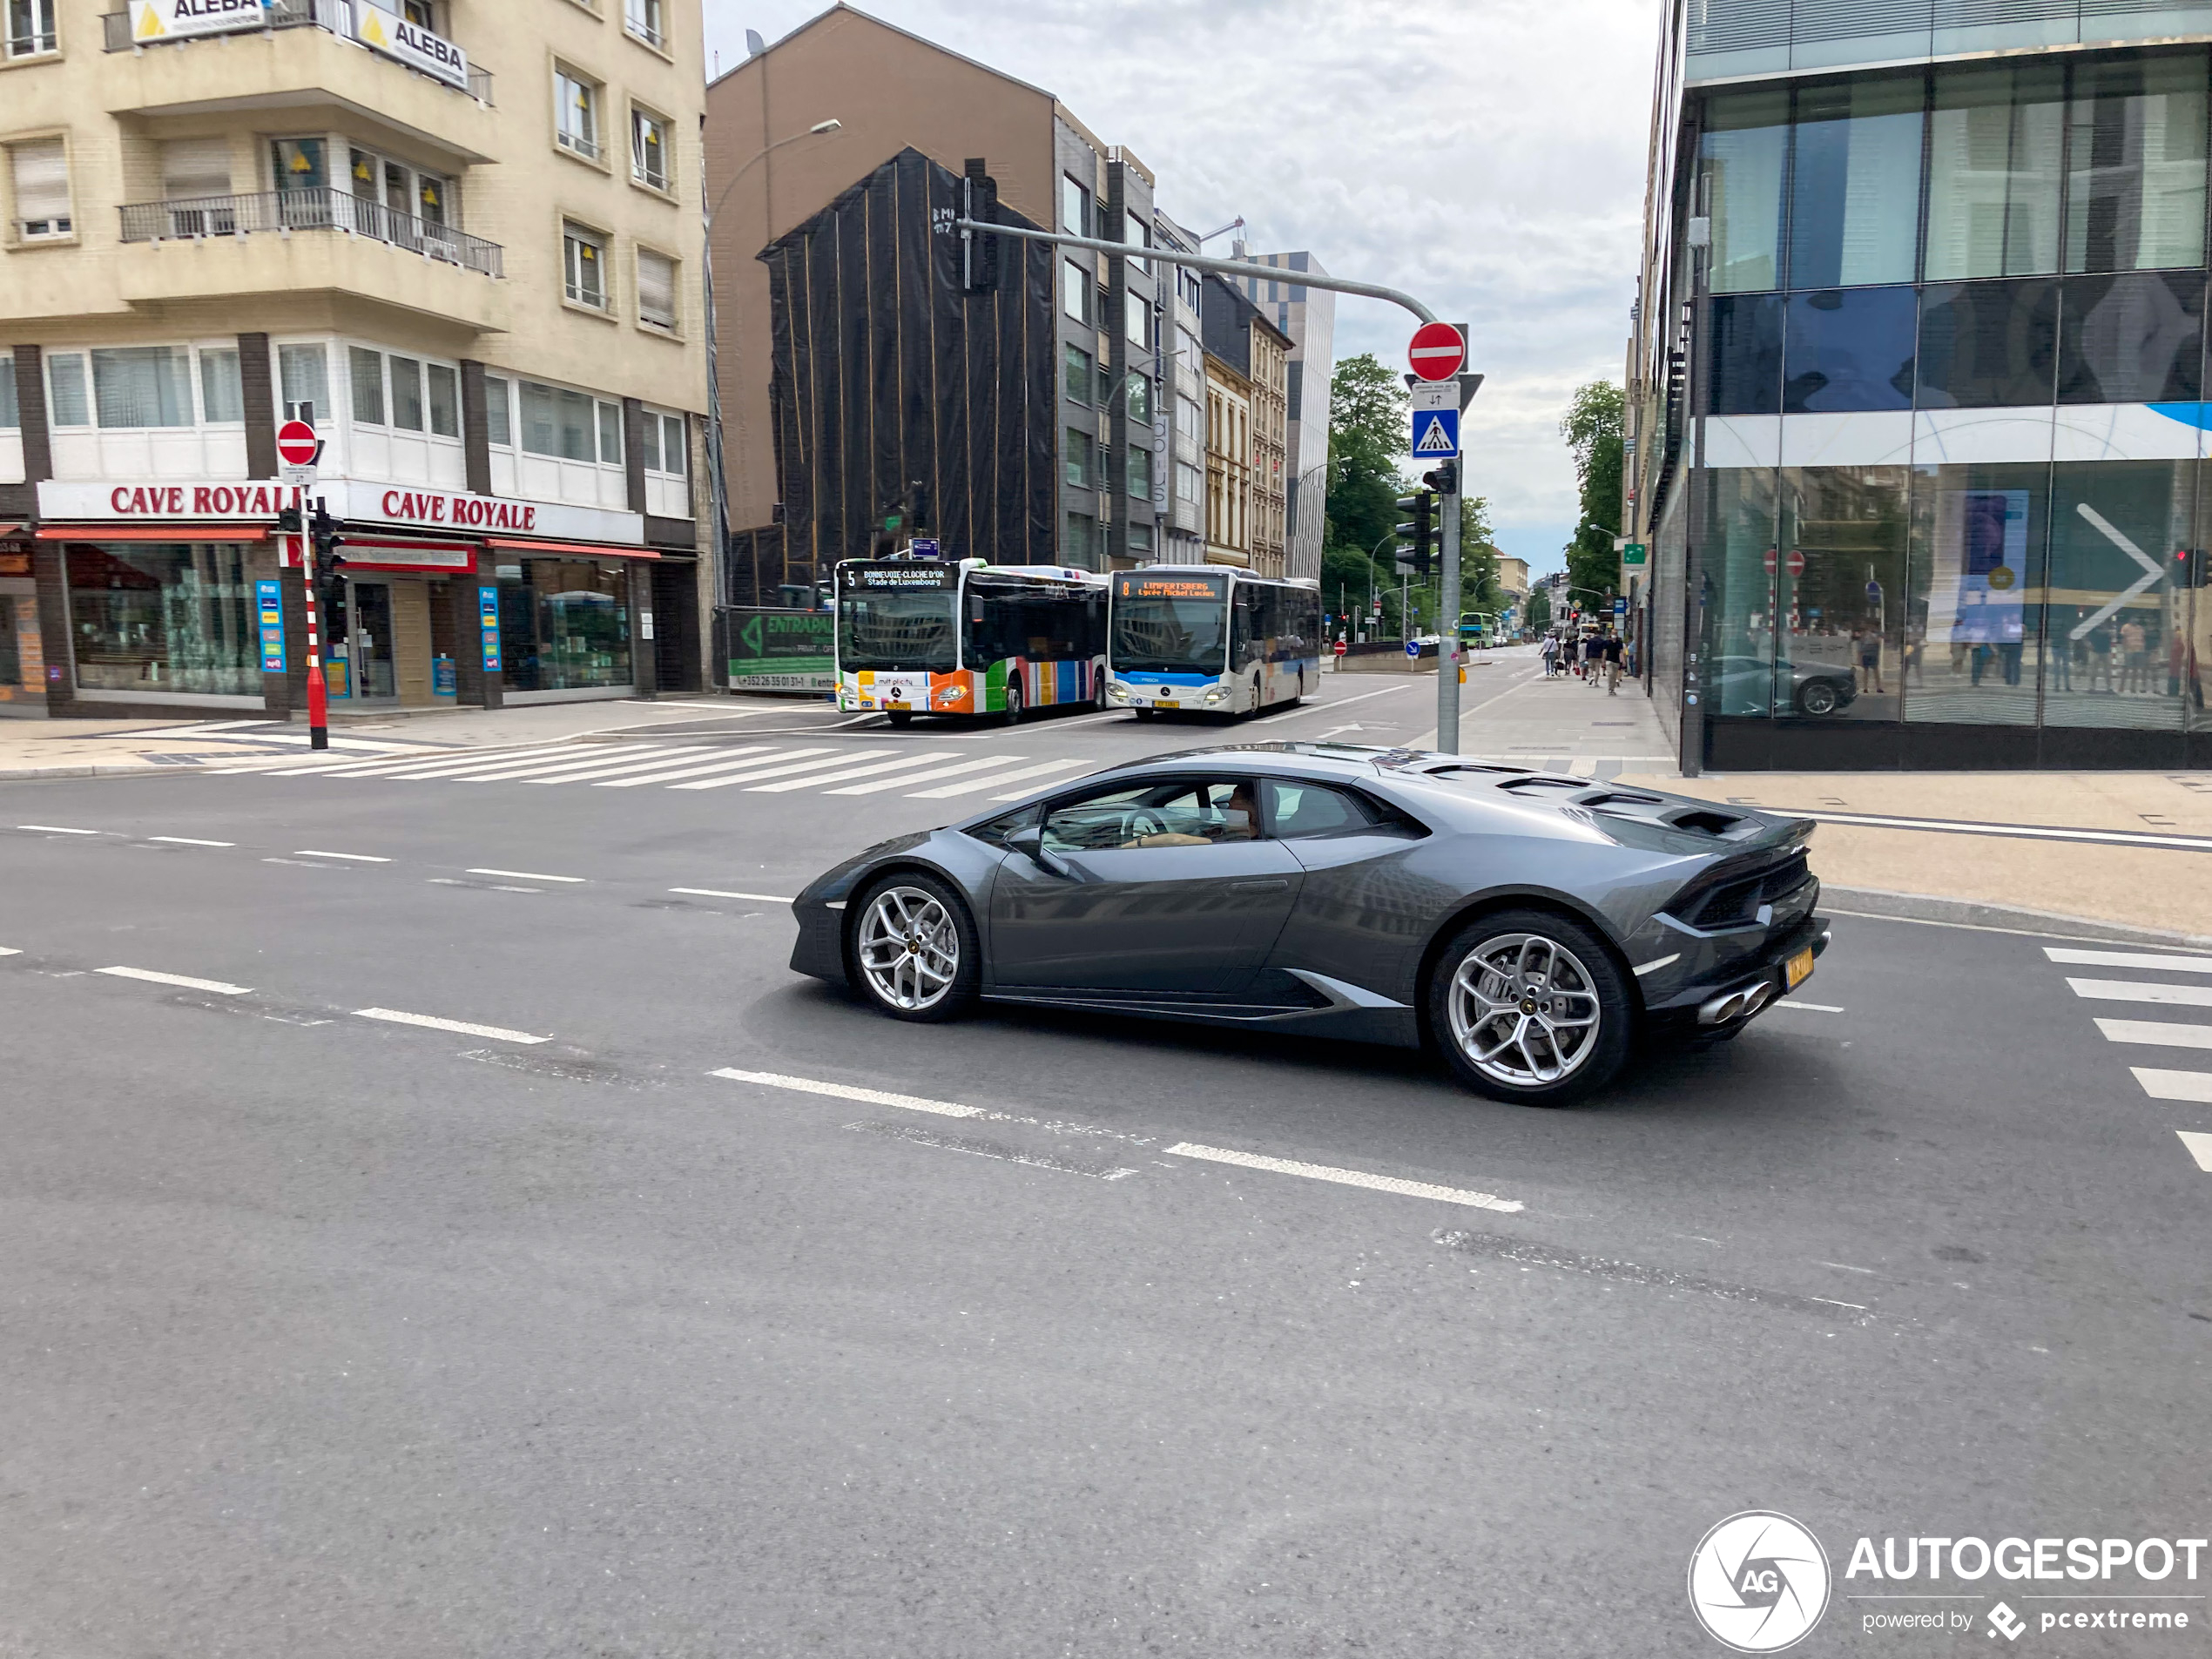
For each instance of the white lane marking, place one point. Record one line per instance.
(920, 1136)
(2158, 1031)
(531, 875)
(449, 881)
(1841, 1267)
(1347, 1177)
(586, 771)
(2174, 1085)
(56, 829)
(188, 840)
(846, 1091)
(2126, 990)
(502, 887)
(1316, 707)
(2128, 958)
(450, 763)
(902, 763)
(991, 778)
(215, 985)
(1653, 967)
(982, 763)
(355, 858)
(550, 771)
(8, 951)
(781, 769)
(718, 892)
(498, 1033)
(746, 760)
(1807, 1008)
(2200, 1147)
(2018, 831)
(1038, 770)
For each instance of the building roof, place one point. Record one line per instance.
(820, 18)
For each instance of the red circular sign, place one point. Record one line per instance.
(1341, 648)
(1793, 561)
(296, 445)
(1438, 351)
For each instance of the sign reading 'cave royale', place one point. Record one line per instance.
(413, 506)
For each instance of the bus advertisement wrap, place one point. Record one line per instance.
(782, 651)
(968, 638)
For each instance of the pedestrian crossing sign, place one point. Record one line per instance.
(1436, 433)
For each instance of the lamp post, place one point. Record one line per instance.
(714, 375)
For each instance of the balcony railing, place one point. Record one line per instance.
(333, 17)
(286, 210)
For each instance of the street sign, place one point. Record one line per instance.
(296, 444)
(1341, 647)
(1412, 647)
(1436, 433)
(925, 547)
(1794, 562)
(1632, 553)
(298, 477)
(1438, 352)
(268, 600)
(1620, 607)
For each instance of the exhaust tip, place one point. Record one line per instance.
(1757, 999)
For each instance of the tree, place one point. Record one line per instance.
(1592, 428)
(1367, 435)
(1540, 610)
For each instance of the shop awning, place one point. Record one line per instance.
(153, 533)
(574, 550)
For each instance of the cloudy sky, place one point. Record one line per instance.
(1486, 155)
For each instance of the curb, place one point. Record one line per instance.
(1972, 913)
(34, 774)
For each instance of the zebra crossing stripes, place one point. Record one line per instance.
(902, 764)
(783, 768)
(732, 758)
(993, 763)
(2159, 1083)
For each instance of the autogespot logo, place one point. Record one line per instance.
(1758, 1581)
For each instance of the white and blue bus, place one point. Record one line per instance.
(1184, 636)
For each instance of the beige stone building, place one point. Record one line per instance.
(1247, 370)
(462, 238)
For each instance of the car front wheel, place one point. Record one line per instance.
(915, 949)
(1528, 1006)
(1818, 698)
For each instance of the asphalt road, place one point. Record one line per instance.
(326, 1332)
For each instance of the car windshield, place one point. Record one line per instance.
(892, 629)
(1187, 635)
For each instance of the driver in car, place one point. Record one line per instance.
(1236, 819)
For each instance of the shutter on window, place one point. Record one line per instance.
(657, 288)
(41, 182)
(195, 167)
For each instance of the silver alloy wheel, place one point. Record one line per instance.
(1524, 1010)
(909, 947)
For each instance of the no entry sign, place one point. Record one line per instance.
(1793, 562)
(296, 444)
(1438, 352)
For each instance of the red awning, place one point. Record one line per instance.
(151, 533)
(588, 550)
(431, 557)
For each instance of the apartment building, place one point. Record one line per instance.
(1182, 503)
(862, 386)
(461, 239)
(1308, 316)
(1247, 366)
(1917, 385)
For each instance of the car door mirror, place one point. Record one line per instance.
(1028, 840)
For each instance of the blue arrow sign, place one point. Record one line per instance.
(1436, 434)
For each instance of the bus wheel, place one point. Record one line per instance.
(901, 718)
(1013, 716)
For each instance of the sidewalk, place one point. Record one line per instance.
(35, 749)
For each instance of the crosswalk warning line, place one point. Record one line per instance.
(2200, 1147)
(569, 762)
(979, 763)
(1031, 773)
(823, 764)
(754, 759)
(2158, 1031)
(903, 763)
(2174, 1085)
(2122, 990)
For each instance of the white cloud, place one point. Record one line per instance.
(1486, 155)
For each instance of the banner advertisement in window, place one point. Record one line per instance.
(414, 46)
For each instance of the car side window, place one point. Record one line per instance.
(1301, 811)
(1177, 812)
(994, 833)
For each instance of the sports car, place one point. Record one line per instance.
(1529, 927)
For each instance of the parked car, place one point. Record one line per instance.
(1751, 685)
(1526, 926)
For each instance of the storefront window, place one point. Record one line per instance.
(1840, 575)
(564, 624)
(164, 616)
(1745, 145)
(1978, 536)
(1737, 653)
(1855, 183)
(2136, 164)
(2116, 622)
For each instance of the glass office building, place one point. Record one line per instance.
(1918, 387)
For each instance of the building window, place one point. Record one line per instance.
(1075, 207)
(1080, 543)
(367, 376)
(1137, 318)
(1743, 159)
(1074, 298)
(642, 19)
(576, 113)
(1140, 398)
(1188, 483)
(407, 393)
(563, 624)
(1849, 349)
(1984, 345)
(1855, 183)
(1188, 427)
(650, 156)
(10, 409)
(445, 400)
(610, 434)
(2134, 339)
(303, 377)
(30, 28)
(1078, 372)
(584, 262)
(222, 392)
(661, 443)
(1140, 540)
(655, 289)
(1994, 141)
(1078, 452)
(1140, 474)
(1746, 355)
(562, 424)
(42, 190)
(498, 423)
(66, 404)
(142, 386)
(164, 616)
(2136, 164)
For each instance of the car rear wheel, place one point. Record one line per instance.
(1818, 698)
(914, 950)
(1528, 1006)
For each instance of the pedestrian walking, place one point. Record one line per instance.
(1549, 652)
(1869, 641)
(2135, 672)
(1612, 648)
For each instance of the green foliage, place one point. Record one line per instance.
(1540, 610)
(1592, 428)
(1366, 438)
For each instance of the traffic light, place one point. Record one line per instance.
(287, 521)
(1417, 537)
(1445, 480)
(329, 560)
(979, 200)
(2191, 567)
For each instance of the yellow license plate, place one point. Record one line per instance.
(900, 707)
(1169, 702)
(1797, 969)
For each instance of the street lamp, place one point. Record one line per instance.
(820, 129)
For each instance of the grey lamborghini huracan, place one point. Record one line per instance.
(1526, 926)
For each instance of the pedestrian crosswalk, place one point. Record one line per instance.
(2159, 1083)
(920, 773)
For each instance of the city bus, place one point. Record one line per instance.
(919, 636)
(1184, 636)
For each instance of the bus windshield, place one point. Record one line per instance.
(889, 628)
(1171, 625)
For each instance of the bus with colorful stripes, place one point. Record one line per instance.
(967, 638)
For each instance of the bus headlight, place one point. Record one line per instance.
(1117, 692)
(1217, 693)
(952, 694)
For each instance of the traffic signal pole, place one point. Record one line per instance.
(973, 232)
